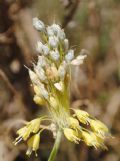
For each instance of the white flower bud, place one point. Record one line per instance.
(39, 47)
(43, 49)
(56, 28)
(59, 86)
(81, 57)
(62, 70)
(61, 35)
(76, 62)
(69, 56)
(39, 25)
(41, 73)
(33, 76)
(66, 44)
(50, 31)
(52, 73)
(79, 60)
(55, 55)
(53, 30)
(41, 61)
(43, 91)
(53, 41)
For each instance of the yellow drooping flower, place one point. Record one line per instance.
(82, 116)
(33, 144)
(31, 127)
(98, 127)
(90, 139)
(34, 125)
(74, 123)
(71, 135)
(23, 134)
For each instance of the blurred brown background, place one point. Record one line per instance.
(90, 24)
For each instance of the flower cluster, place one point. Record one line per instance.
(50, 79)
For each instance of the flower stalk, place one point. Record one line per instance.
(56, 146)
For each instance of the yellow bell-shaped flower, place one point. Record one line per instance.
(71, 135)
(34, 125)
(98, 127)
(74, 123)
(33, 144)
(90, 139)
(82, 116)
(23, 133)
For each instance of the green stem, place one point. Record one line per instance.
(56, 146)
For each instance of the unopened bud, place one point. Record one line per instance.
(52, 73)
(55, 55)
(69, 56)
(53, 41)
(39, 25)
(40, 72)
(62, 70)
(59, 86)
(38, 100)
(33, 76)
(66, 44)
(61, 35)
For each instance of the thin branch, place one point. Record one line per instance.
(6, 80)
(72, 9)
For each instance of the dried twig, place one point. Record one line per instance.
(6, 37)
(8, 84)
(71, 7)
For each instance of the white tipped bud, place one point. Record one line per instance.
(50, 31)
(41, 73)
(39, 25)
(53, 41)
(61, 35)
(62, 70)
(79, 60)
(69, 56)
(53, 30)
(43, 49)
(39, 47)
(33, 76)
(76, 62)
(56, 28)
(81, 57)
(59, 86)
(52, 73)
(43, 91)
(55, 55)
(41, 61)
(66, 44)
